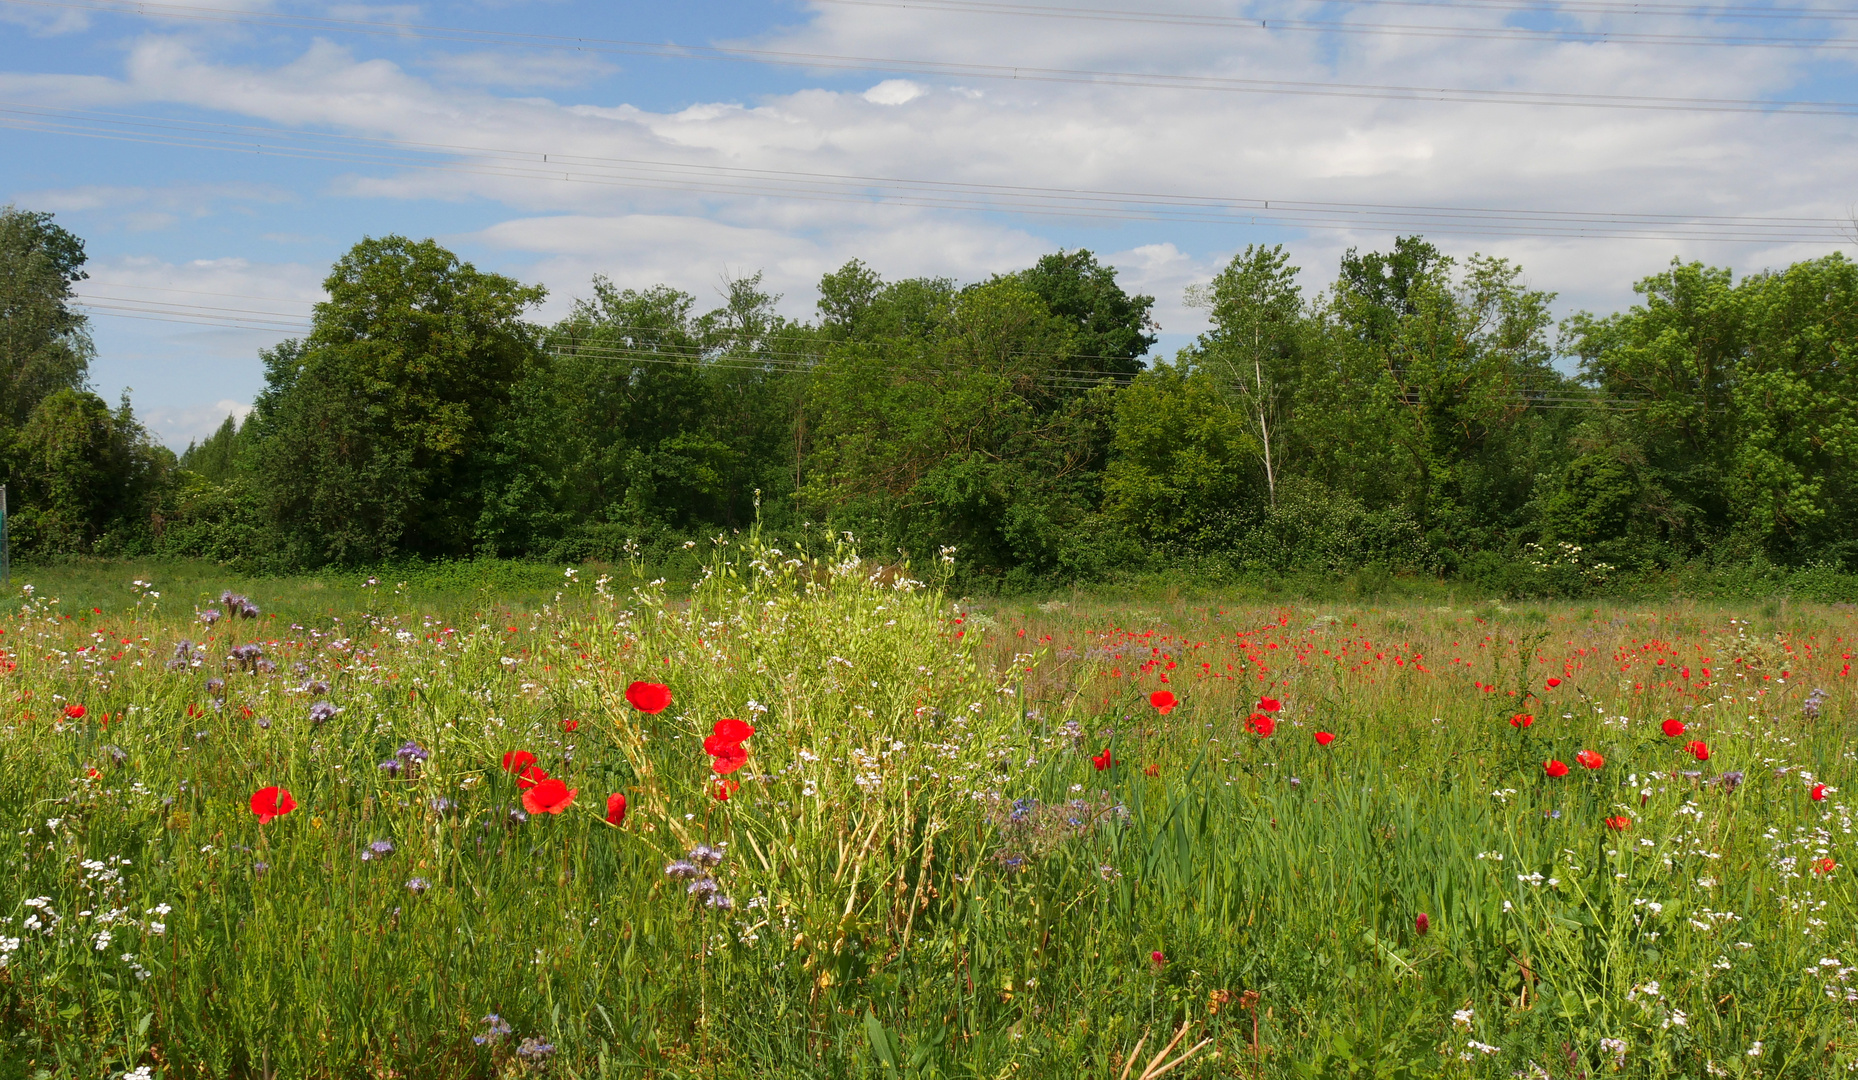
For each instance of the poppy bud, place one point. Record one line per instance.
(1422, 924)
(1156, 958)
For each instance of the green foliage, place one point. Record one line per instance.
(217, 457)
(1184, 460)
(1410, 419)
(375, 430)
(44, 342)
(88, 479)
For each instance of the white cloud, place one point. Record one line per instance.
(507, 69)
(895, 92)
(176, 427)
(643, 224)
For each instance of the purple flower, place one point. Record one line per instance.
(391, 766)
(411, 751)
(495, 1027)
(418, 885)
(216, 687)
(534, 1050)
(379, 849)
(322, 712)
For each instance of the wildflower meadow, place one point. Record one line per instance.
(813, 816)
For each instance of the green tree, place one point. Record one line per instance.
(938, 416)
(1110, 329)
(1256, 343)
(1742, 398)
(375, 431)
(1459, 360)
(87, 479)
(216, 457)
(44, 341)
(1183, 469)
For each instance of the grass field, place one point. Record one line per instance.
(962, 840)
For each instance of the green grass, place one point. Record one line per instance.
(929, 875)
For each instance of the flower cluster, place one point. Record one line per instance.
(696, 870)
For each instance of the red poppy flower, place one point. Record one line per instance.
(517, 760)
(725, 788)
(1672, 727)
(1323, 738)
(1824, 866)
(615, 809)
(1522, 719)
(1422, 924)
(730, 730)
(1619, 824)
(1261, 723)
(271, 802)
(1102, 761)
(1151, 769)
(93, 772)
(729, 759)
(74, 712)
(1590, 759)
(570, 725)
(1555, 768)
(1700, 749)
(530, 777)
(649, 697)
(1163, 701)
(1818, 794)
(1268, 704)
(1553, 682)
(548, 796)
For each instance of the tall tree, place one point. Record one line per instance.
(375, 431)
(44, 341)
(1111, 330)
(1256, 342)
(1460, 359)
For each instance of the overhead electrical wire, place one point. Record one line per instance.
(722, 180)
(1623, 8)
(952, 69)
(674, 354)
(1333, 26)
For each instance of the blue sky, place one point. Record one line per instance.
(254, 140)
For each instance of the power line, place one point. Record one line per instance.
(1001, 72)
(1321, 26)
(1628, 8)
(761, 360)
(693, 178)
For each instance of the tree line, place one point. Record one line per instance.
(1411, 417)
